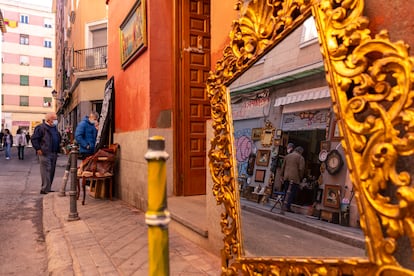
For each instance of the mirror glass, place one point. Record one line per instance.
(284, 98)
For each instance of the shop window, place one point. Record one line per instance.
(47, 62)
(24, 100)
(24, 80)
(24, 39)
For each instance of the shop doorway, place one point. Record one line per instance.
(310, 141)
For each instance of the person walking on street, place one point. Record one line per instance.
(7, 142)
(292, 172)
(46, 141)
(85, 135)
(21, 143)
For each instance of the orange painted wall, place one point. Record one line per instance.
(222, 16)
(143, 89)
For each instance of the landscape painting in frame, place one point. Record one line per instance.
(133, 35)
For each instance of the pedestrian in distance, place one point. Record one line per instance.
(85, 135)
(7, 143)
(21, 143)
(46, 141)
(27, 138)
(1, 139)
(292, 172)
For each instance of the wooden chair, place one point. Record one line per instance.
(98, 169)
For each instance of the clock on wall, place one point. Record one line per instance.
(334, 162)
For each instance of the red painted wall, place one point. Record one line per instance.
(143, 89)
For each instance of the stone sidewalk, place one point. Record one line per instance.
(111, 239)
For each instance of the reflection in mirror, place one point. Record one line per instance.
(285, 94)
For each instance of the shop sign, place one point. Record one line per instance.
(306, 120)
(248, 109)
(21, 123)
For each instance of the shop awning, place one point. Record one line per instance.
(304, 95)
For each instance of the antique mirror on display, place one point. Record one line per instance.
(369, 80)
(286, 90)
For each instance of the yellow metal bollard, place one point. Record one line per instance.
(157, 217)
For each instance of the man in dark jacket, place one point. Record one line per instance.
(46, 141)
(293, 170)
(85, 135)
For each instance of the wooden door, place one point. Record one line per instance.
(193, 104)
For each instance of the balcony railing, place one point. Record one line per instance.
(90, 59)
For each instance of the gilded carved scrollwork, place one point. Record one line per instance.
(372, 92)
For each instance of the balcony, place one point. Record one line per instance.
(90, 59)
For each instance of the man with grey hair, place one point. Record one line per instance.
(46, 141)
(85, 135)
(292, 172)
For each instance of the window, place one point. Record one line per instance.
(47, 62)
(47, 43)
(24, 19)
(48, 82)
(24, 80)
(47, 101)
(309, 34)
(24, 60)
(48, 23)
(24, 100)
(24, 39)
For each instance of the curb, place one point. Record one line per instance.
(59, 257)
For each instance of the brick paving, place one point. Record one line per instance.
(111, 239)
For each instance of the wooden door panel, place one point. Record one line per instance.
(195, 107)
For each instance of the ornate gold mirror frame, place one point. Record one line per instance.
(371, 88)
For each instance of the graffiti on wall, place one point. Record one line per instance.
(244, 147)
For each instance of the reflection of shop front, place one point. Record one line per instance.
(305, 119)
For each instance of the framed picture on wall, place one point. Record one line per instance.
(133, 33)
(335, 134)
(260, 176)
(325, 145)
(331, 196)
(278, 134)
(263, 157)
(256, 134)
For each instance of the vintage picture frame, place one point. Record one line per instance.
(133, 33)
(332, 196)
(256, 133)
(335, 134)
(260, 175)
(263, 157)
(268, 132)
(325, 145)
(278, 134)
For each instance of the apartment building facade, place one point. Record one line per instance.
(28, 65)
(81, 39)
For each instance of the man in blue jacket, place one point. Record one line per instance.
(85, 135)
(46, 141)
